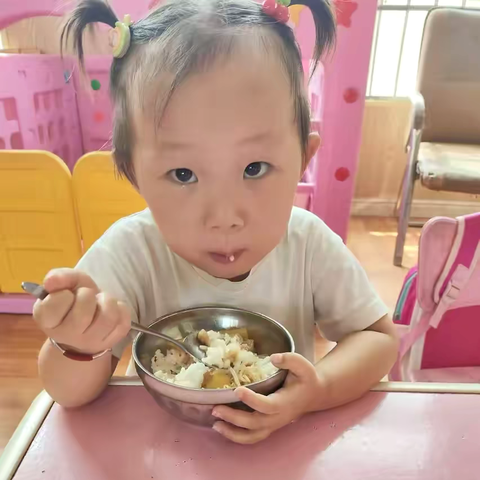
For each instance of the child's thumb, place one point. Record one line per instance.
(295, 363)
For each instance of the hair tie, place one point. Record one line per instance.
(278, 9)
(120, 37)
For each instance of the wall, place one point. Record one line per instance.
(382, 163)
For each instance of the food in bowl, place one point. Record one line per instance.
(230, 361)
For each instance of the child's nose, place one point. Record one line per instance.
(224, 217)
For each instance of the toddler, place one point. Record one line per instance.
(212, 126)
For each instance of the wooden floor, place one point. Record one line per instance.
(371, 240)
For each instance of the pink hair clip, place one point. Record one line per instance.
(278, 9)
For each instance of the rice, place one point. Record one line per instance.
(230, 361)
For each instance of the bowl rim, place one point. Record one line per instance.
(207, 391)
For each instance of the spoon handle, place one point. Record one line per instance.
(35, 289)
(39, 292)
(140, 328)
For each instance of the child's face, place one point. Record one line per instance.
(221, 172)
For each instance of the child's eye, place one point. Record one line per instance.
(256, 170)
(182, 175)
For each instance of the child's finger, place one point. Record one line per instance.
(239, 435)
(296, 364)
(123, 326)
(259, 403)
(67, 279)
(82, 312)
(50, 312)
(242, 419)
(107, 318)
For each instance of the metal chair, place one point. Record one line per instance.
(444, 142)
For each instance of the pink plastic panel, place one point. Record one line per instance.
(94, 105)
(315, 96)
(38, 109)
(16, 303)
(345, 82)
(304, 195)
(395, 436)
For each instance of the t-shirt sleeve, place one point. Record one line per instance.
(344, 299)
(113, 275)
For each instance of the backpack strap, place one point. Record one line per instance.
(460, 265)
(452, 291)
(404, 296)
(415, 333)
(463, 251)
(456, 284)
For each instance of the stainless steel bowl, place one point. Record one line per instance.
(195, 405)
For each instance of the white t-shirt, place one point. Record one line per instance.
(310, 277)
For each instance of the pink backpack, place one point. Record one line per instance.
(440, 305)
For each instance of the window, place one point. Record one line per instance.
(396, 44)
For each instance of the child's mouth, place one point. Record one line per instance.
(226, 258)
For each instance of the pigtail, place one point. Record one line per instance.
(85, 14)
(325, 26)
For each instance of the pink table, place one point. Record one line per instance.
(386, 435)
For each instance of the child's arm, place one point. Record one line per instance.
(357, 363)
(81, 318)
(71, 383)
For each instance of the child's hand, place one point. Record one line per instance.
(78, 316)
(298, 396)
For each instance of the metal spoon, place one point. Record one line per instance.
(190, 345)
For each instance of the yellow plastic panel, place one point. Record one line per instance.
(38, 230)
(101, 196)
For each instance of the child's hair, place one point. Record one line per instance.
(185, 36)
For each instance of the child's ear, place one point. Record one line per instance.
(312, 146)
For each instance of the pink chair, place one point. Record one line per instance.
(440, 305)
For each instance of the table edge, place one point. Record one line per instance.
(24, 434)
(427, 387)
(406, 387)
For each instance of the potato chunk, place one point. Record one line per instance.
(217, 379)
